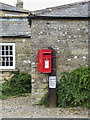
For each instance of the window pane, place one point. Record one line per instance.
(7, 63)
(10, 47)
(11, 58)
(6, 47)
(11, 63)
(6, 52)
(11, 52)
(3, 63)
(2, 52)
(3, 59)
(2, 47)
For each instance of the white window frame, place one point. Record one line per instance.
(9, 44)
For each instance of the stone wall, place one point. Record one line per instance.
(22, 57)
(70, 40)
(39, 84)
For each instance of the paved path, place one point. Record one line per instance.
(21, 108)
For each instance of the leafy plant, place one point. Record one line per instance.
(73, 88)
(19, 84)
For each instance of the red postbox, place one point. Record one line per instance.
(44, 60)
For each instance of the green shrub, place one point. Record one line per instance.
(20, 83)
(73, 88)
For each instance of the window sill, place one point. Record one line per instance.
(9, 70)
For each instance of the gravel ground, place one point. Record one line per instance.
(21, 108)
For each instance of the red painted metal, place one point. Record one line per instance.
(44, 60)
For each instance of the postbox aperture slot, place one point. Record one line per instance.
(46, 54)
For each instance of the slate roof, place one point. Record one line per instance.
(14, 27)
(6, 7)
(79, 9)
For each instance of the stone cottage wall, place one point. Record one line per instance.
(70, 40)
(22, 57)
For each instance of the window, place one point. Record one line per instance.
(7, 55)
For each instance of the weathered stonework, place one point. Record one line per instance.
(69, 38)
(39, 83)
(5, 76)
